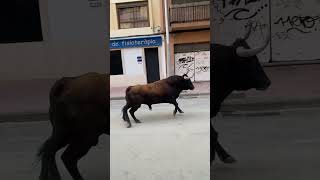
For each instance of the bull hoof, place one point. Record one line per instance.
(229, 160)
(128, 125)
(181, 112)
(174, 113)
(137, 121)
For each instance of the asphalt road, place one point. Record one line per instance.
(162, 147)
(268, 145)
(278, 145)
(18, 146)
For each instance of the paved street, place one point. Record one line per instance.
(162, 147)
(277, 145)
(19, 143)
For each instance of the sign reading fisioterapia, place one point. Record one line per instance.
(151, 41)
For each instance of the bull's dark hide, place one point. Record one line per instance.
(79, 114)
(234, 67)
(162, 91)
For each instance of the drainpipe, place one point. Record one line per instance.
(166, 12)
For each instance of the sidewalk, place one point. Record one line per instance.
(292, 86)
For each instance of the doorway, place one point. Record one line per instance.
(152, 64)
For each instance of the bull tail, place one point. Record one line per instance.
(128, 89)
(57, 89)
(45, 154)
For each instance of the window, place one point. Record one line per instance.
(116, 63)
(133, 15)
(20, 21)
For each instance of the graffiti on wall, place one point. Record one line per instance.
(296, 24)
(195, 64)
(237, 9)
(202, 66)
(229, 14)
(184, 64)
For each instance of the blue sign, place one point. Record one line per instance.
(146, 41)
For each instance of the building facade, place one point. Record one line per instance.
(137, 49)
(41, 41)
(294, 27)
(190, 38)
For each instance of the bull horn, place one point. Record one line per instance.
(185, 76)
(247, 34)
(242, 52)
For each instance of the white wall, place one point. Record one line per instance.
(229, 22)
(133, 72)
(296, 39)
(74, 43)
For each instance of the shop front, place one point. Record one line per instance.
(137, 60)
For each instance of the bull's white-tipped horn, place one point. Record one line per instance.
(242, 52)
(185, 76)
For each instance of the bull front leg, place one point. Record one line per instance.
(132, 111)
(216, 147)
(176, 108)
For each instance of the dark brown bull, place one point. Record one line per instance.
(235, 67)
(79, 114)
(162, 91)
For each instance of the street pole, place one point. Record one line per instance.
(167, 37)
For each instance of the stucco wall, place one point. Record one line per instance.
(75, 42)
(155, 15)
(295, 26)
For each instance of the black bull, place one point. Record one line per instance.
(79, 114)
(162, 91)
(234, 67)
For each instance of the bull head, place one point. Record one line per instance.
(243, 51)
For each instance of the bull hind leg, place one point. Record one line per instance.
(47, 153)
(125, 115)
(132, 111)
(73, 153)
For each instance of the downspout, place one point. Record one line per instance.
(166, 14)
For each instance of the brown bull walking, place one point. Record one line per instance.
(162, 91)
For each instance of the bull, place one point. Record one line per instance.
(162, 91)
(79, 113)
(234, 68)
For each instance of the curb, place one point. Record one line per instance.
(24, 117)
(274, 104)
